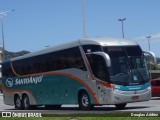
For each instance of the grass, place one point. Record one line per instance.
(107, 116)
(85, 118)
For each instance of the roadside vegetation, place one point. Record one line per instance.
(85, 118)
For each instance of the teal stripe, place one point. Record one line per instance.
(130, 88)
(50, 88)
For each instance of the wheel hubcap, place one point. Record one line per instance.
(18, 102)
(26, 102)
(85, 101)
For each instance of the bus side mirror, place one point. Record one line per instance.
(105, 56)
(152, 55)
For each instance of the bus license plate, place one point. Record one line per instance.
(135, 97)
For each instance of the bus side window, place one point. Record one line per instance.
(79, 63)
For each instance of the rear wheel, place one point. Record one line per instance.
(26, 102)
(84, 102)
(121, 106)
(18, 103)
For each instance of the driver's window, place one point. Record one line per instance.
(98, 66)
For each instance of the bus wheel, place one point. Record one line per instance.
(18, 102)
(26, 102)
(84, 102)
(121, 106)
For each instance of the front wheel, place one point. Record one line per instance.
(121, 106)
(84, 102)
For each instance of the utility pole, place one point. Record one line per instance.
(83, 21)
(2, 15)
(149, 48)
(148, 38)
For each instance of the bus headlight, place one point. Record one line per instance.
(116, 90)
(149, 88)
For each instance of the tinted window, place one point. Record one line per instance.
(64, 59)
(133, 51)
(91, 48)
(155, 83)
(96, 62)
(6, 69)
(127, 65)
(98, 67)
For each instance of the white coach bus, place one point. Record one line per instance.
(88, 72)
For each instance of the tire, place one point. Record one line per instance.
(18, 103)
(84, 101)
(121, 106)
(26, 103)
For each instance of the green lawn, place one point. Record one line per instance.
(85, 118)
(107, 116)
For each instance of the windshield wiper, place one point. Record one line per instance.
(123, 81)
(130, 61)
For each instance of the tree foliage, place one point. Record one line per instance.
(9, 55)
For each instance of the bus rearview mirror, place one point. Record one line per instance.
(105, 56)
(152, 55)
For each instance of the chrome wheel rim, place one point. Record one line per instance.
(18, 102)
(85, 101)
(26, 102)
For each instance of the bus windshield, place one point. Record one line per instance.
(128, 66)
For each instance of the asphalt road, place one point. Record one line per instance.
(152, 105)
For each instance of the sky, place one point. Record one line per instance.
(36, 24)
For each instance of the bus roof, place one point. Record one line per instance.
(103, 41)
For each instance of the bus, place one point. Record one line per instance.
(88, 72)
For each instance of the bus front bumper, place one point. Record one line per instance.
(118, 96)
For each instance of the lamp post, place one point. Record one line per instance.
(148, 37)
(2, 15)
(121, 20)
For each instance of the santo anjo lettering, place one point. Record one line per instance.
(29, 80)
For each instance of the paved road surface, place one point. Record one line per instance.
(152, 105)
